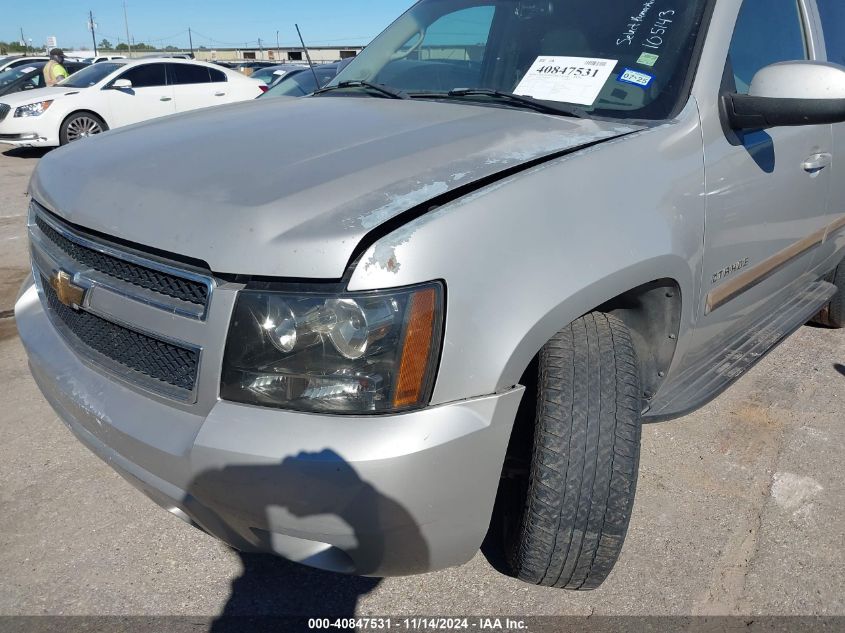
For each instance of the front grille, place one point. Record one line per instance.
(141, 276)
(171, 364)
(4, 110)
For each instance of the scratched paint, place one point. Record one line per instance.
(385, 254)
(550, 145)
(398, 203)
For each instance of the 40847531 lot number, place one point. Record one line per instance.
(418, 624)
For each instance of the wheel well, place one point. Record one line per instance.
(91, 112)
(652, 312)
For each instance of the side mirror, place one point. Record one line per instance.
(789, 94)
(121, 84)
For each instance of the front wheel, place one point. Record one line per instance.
(583, 471)
(81, 125)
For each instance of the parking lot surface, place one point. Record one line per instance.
(740, 508)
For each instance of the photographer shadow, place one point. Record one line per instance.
(306, 485)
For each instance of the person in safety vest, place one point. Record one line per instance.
(54, 72)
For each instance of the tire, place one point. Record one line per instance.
(80, 125)
(583, 471)
(834, 313)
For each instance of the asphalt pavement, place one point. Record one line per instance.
(740, 508)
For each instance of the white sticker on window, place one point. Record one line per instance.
(28, 69)
(568, 79)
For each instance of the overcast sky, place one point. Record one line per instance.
(215, 23)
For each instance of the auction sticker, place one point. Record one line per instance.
(631, 76)
(648, 59)
(568, 79)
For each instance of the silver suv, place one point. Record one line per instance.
(442, 294)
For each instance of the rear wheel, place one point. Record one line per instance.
(81, 125)
(583, 471)
(833, 314)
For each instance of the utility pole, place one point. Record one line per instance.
(278, 48)
(126, 21)
(93, 27)
(261, 50)
(191, 42)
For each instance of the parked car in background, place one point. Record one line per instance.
(101, 58)
(249, 67)
(168, 56)
(13, 61)
(273, 74)
(30, 76)
(301, 82)
(117, 93)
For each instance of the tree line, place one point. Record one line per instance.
(15, 48)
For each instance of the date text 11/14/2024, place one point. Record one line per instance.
(418, 624)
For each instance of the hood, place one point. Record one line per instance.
(17, 99)
(289, 188)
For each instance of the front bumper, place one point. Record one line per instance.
(381, 495)
(40, 131)
(31, 139)
(27, 139)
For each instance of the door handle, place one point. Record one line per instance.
(219, 94)
(166, 99)
(817, 162)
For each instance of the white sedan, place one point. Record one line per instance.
(116, 93)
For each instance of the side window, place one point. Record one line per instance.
(458, 36)
(767, 31)
(833, 25)
(181, 74)
(146, 76)
(217, 76)
(449, 53)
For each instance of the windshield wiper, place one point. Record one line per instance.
(526, 102)
(381, 89)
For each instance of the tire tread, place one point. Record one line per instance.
(586, 456)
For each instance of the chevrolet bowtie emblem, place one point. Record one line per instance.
(67, 292)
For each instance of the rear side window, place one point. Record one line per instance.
(146, 76)
(767, 31)
(217, 76)
(181, 74)
(833, 24)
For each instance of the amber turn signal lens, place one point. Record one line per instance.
(417, 348)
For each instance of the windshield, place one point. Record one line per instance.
(615, 58)
(301, 82)
(90, 75)
(9, 76)
(267, 75)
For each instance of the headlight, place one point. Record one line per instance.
(33, 109)
(370, 352)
